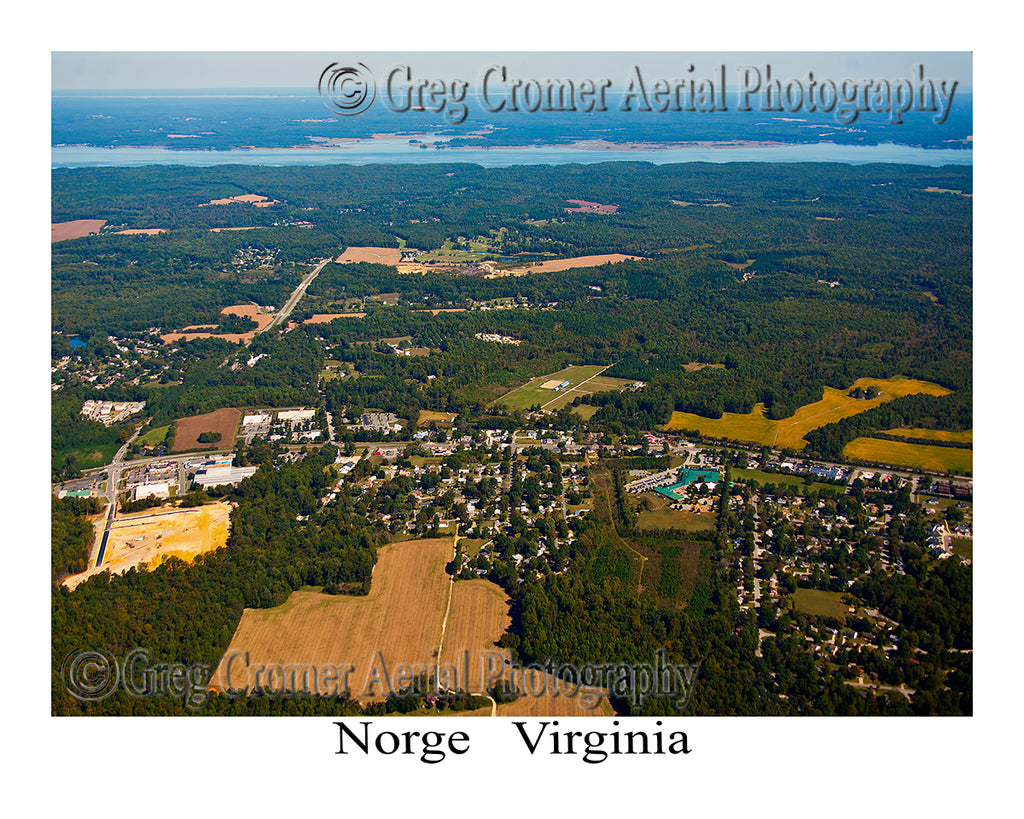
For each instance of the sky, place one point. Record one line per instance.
(122, 70)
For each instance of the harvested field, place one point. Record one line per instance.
(435, 310)
(140, 231)
(583, 206)
(919, 456)
(398, 621)
(250, 227)
(380, 255)
(555, 265)
(146, 539)
(478, 616)
(789, 432)
(398, 624)
(327, 318)
(75, 229)
(440, 418)
(248, 310)
(225, 421)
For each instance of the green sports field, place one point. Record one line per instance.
(532, 394)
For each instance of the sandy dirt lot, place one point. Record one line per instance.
(225, 421)
(59, 231)
(380, 255)
(247, 310)
(246, 198)
(146, 539)
(324, 318)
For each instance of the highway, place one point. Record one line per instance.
(113, 479)
(295, 297)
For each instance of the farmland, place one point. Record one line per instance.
(250, 311)
(224, 421)
(788, 432)
(920, 456)
(946, 435)
(60, 231)
(583, 380)
(380, 255)
(400, 618)
(556, 265)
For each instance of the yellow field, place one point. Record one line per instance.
(331, 643)
(789, 432)
(921, 456)
(442, 418)
(935, 435)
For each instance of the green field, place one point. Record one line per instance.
(821, 603)
(583, 380)
(531, 394)
(154, 436)
(668, 518)
(788, 432)
(90, 455)
(963, 547)
(759, 477)
(920, 456)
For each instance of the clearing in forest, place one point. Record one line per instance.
(556, 390)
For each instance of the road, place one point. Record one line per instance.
(561, 392)
(113, 479)
(295, 297)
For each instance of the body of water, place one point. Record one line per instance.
(400, 151)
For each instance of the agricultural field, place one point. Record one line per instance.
(919, 456)
(75, 229)
(444, 419)
(401, 618)
(247, 310)
(144, 540)
(224, 421)
(556, 265)
(966, 437)
(583, 380)
(819, 603)
(380, 255)
(788, 432)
